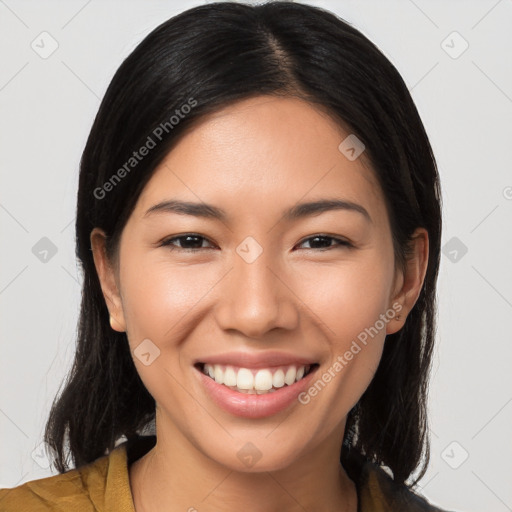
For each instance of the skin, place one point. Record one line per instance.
(254, 159)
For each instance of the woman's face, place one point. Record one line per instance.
(260, 290)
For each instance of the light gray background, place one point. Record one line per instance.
(47, 106)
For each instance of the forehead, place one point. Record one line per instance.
(267, 151)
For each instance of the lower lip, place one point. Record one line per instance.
(254, 406)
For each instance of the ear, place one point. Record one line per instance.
(107, 277)
(408, 284)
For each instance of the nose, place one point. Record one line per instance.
(257, 297)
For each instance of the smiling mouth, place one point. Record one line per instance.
(256, 380)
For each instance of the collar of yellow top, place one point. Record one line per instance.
(105, 484)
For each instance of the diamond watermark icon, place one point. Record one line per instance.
(44, 250)
(44, 45)
(249, 250)
(39, 455)
(249, 454)
(146, 352)
(454, 45)
(454, 455)
(352, 147)
(454, 249)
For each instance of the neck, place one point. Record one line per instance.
(176, 476)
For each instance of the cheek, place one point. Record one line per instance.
(347, 297)
(158, 298)
(350, 304)
(161, 304)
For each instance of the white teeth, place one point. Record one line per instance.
(229, 376)
(218, 375)
(255, 381)
(263, 380)
(278, 379)
(244, 379)
(291, 373)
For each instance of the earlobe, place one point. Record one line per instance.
(116, 326)
(107, 278)
(411, 280)
(397, 322)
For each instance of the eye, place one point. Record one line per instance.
(190, 242)
(324, 241)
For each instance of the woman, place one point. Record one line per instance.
(258, 224)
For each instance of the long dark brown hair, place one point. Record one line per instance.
(216, 54)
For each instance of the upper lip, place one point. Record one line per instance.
(256, 359)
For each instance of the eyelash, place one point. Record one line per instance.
(168, 243)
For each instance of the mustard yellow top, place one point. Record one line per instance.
(104, 486)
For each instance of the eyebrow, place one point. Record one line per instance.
(296, 212)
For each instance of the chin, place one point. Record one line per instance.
(255, 456)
